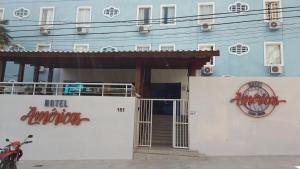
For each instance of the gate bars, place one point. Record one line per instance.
(180, 124)
(144, 116)
(144, 122)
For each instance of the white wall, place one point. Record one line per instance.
(218, 127)
(109, 134)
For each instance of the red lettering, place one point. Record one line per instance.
(257, 99)
(35, 117)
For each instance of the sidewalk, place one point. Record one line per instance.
(253, 162)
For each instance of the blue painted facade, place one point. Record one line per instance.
(224, 34)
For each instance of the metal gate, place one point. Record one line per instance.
(144, 115)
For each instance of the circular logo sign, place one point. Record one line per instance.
(256, 99)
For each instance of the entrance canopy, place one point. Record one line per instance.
(122, 59)
(143, 62)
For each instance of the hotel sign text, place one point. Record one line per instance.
(55, 116)
(256, 99)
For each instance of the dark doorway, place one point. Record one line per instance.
(165, 91)
(162, 123)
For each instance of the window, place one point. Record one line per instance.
(81, 47)
(43, 47)
(111, 12)
(239, 49)
(238, 7)
(46, 16)
(1, 13)
(16, 48)
(167, 47)
(206, 11)
(168, 14)
(21, 13)
(144, 15)
(208, 47)
(272, 10)
(109, 49)
(145, 47)
(83, 17)
(273, 54)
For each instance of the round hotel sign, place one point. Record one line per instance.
(256, 99)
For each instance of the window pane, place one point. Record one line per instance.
(168, 14)
(47, 16)
(272, 11)
(167, 48)
(43, 48)
(84, 15)
(206, 12)
(81, 48)
(273, 54)
(143, 48)
(144, 16)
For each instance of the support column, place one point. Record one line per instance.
(2, 70)
(147, 81)
(139, 79)
(36, 73)
(50, 74)
(21, 72)
(192, 70)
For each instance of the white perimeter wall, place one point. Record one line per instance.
(218, 127)
(109, 134)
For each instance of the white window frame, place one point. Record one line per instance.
(43, 44)
(52, 19)
(137, 14)
(14, 13)
(280, 10)
(214, 48)
(86, 25)
(213, 16)
(243, 3)
(235, 46)
(109, 47)
(20, 46)
(143, 45)
(81, 44)
(167, 44)
(2, 16)
(161, 14)
(281, 53)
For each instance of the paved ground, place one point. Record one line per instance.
(257, 162)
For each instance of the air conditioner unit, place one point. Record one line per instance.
(42, 69)
(82, 30)
(206, 27)
(144, 29)
(207, 70)
(44, 30)
(276, 69)
(274, 25)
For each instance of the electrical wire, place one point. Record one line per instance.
(159, 29)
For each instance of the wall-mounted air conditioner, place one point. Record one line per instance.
(44, 30)
(144, 28)
(206, 27)
(274, 25)
(207, 70)
(82, 30)
(42, 69)
(276, 69)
